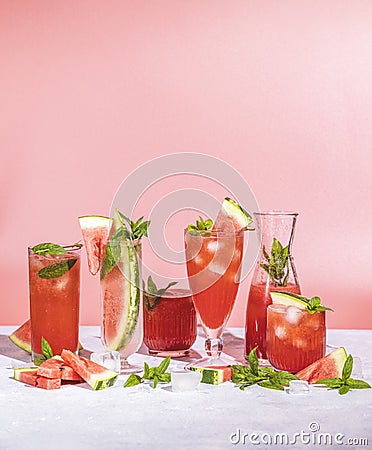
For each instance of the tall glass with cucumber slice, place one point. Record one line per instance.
(274, 271)
(114, 250)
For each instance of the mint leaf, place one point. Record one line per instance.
(138, 229)
(344, 389)
(277, 263)
(163, 366)
(48, 248)
(133, 380)
(153, 296)
(56, 270)
(46, 348)
(113, 252)
(201, 225)
(357, 384)
(253, 361)
(348, 368)
(151, 286)
(162, 291)
(269, 385)
(330, 382)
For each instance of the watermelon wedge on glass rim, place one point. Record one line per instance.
(121, 326)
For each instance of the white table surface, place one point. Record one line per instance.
(76, 417)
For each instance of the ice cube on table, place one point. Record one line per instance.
(357, 368)
(185, 380)
(110, 360)
(298, 387)
(293, 314)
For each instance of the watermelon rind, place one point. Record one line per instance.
(21, 337)
(288, 299)
(330, 366)
(19, 370)
(210, 375)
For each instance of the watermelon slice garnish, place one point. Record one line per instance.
(95, 231)
(232, 217)
(330, 366)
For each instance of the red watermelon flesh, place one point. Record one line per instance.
(95, 231)
(56, 368)
(30, 376)
(22, 336)
(330, 366)
(98, 377)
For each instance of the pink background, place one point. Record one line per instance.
(280, 90)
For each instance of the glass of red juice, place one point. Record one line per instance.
(54, 287)
(295, 338)
(169, 323)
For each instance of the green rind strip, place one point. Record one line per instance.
(210, 376)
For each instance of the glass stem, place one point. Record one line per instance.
(213, 347)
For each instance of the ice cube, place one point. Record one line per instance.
(212, 246)
(293, 314)
(357, 368)
(280, 332)
(185, 380)
(215, 267)
(298, 387)
(110, 360)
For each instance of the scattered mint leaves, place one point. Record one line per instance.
(153, 294)
(277, 263)
(46, 348)
(345, 383)
(56, 270)
(201, 225)
(157, 374)
(244, 376)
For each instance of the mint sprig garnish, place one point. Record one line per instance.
(137, 229)
(244, 376)
(157, 374)
(48, 248)
(56, 270)
(312, 304)
(154, 294)
(46, 348)
(201, 225)
(277, 263)
(345, 383)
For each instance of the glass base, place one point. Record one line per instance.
(126, 368)
(171, 353)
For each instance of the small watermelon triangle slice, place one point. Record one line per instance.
(232, 217)
(96, 232)
(330, 366)
(21, 337)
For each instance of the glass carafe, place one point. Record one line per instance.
(274, 271)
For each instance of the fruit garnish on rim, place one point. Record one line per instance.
(232, 217)
(154, 294)
(95, 231)
(312, 305)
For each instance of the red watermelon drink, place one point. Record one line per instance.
(54, 284)
(169, 322)
(258, 301)
(296, 331)
(213, 260)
